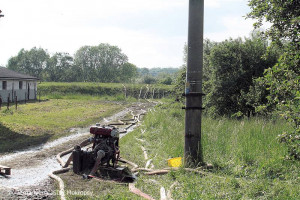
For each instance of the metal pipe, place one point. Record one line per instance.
(193, 89)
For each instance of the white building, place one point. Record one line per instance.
(14, 84)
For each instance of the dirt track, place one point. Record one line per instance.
(30, 168)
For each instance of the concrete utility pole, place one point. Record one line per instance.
(193, 89)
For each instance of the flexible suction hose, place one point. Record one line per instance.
(53, 175)
(131, 186)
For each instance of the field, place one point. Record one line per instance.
(248, 162)
(64, 106)
(103, 90)
(35, 123)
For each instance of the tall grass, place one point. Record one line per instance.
(249, 162)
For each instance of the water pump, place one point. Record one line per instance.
(102, 158)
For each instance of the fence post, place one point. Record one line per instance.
(153, 92)
(140, 92)
(16, 102)
(0, 103)
(8, 100)
(25, 98)
(146, 94)
(124, 91)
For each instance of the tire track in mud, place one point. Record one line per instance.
(30, 168)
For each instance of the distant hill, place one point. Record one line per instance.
(155, 72)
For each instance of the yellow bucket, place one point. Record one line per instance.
(175, 162)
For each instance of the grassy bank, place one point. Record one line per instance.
(61, 90)
(35, 123)
(248, 161)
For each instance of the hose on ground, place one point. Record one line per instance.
(131, 186)
(61, 154)
(65, 168)
(60, 181)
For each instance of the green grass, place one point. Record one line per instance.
(98, 189)
(74, 96)
(248, 161)
(34, 123)
(106, 90)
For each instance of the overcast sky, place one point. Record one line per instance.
(151, 33)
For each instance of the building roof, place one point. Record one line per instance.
(9, 74)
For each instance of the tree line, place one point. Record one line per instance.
(102, 63)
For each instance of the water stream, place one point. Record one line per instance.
(34, 175)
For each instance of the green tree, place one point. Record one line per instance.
(85, 63)
(60, 68)
(143, 71)
(128, 74)
(283, 79)
(149, 80)
(32, 62)
(100, 63)
(284, 17)
(166, 80)
(234, 64)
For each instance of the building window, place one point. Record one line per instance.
(4, 85)
(20, 85)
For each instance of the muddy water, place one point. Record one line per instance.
(32, 166)
(30, 175)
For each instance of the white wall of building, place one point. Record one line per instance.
(28, 91)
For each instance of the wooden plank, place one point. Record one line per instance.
(7, 170)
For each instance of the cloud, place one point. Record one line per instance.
(143, 49)
(212, 4)
(219, 3)
(151, 32)
(234, 27)
(67, 25)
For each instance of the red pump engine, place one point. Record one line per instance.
(105, 149)
(106, 140)
(105, 131)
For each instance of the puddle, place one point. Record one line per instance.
(44, 147)
(30, 176)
